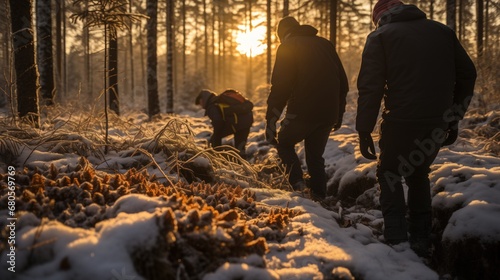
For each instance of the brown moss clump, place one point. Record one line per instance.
(203, 226)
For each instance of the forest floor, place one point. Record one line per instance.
(159, 204)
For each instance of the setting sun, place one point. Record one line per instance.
(251, 43)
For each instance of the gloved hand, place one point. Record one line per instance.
(270, 133)
(366, 145)
(452, 134)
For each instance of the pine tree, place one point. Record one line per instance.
(111, 16)
(170, 56)
(24, 61)
(44, 50)
(152, 64)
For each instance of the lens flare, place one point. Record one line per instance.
(251, 43)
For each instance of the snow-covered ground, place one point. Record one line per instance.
(341, 242)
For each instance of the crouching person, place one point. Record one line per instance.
(230, 114)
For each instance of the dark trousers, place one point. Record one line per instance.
(407, 151)
(240, 139)
(315, 137)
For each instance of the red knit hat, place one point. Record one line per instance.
(382, 6)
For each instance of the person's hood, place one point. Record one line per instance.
(204, 97)
(285, 26)
(302, 30)
(401, 13)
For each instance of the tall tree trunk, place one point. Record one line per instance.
(249, 76)
(451, 16)
(461, 25)
(196, 38)
(170, 55)
(152, 67)
(214, 61)
(105, 88)
(44, 50)
(184, 46)
(205, 36)
(131, 57)
(61, 86)
(113, 71)
(333, 22)
(222, 45)
(286, 8)
(24, 60)
(269, 43)
(431, 9)
(143, 67)
(63, 38)
(229, 57)
(371, 11)
(487, 26)
(5, 69)
(59, 49)
(480, 27)
(86, 54)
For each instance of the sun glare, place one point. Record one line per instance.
(251, 43)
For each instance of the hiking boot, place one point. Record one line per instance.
(395, 230)
(392, 242)
(317, 197)
(299, 186)
(421, 247)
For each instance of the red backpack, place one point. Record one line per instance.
(232, 102)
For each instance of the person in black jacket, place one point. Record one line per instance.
(309, 80)
(228, 117)
(426, 80)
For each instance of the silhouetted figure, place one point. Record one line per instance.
(230, 114)
(426, 80)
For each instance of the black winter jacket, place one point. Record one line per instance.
(308, 78)
(420, 69)
(225, 125)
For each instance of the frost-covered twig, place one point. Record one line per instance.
(150, 156)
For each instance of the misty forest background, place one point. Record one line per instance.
(155, 56)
